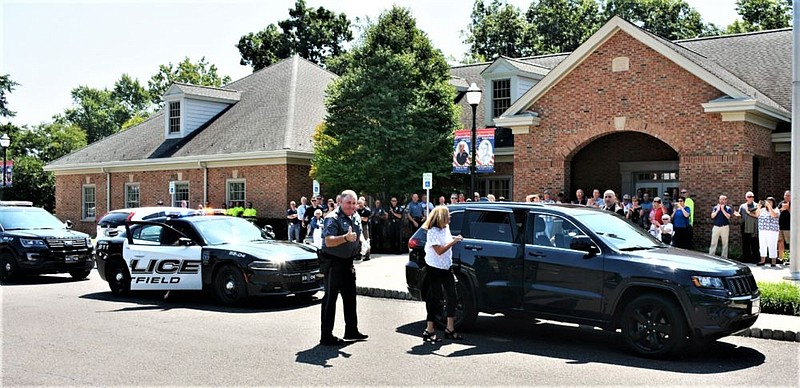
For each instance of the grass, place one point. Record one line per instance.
(780, 298)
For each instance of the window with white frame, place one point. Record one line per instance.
(501, 96)
(89, 200)
(235, 191)
(181, 194)
(131, 195)
(175, 117)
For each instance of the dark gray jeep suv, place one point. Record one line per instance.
(578, 264)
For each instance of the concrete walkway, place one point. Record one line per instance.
(384, 277)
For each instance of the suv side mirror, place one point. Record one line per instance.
(68, 224)
(585, 244)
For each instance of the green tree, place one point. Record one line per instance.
(391, 114)
(30, 150)
(102, 112)
(670, 19)
(496, 29)
(314, 34)
(559, 26)
(6, 86)
(758, 15)
(201, 73)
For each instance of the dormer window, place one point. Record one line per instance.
(501, 96)
(174, 117)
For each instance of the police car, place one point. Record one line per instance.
(227, 255)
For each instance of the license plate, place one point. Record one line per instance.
(72, 259)
(755, 306)
(307, 277)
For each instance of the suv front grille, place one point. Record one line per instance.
(741, 285)
(66, 243)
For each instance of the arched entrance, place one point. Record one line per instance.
(624, 162)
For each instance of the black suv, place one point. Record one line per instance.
(33, 241)
(578, 264)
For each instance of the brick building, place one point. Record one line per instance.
(627, 110)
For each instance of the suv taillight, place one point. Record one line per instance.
(413, 243)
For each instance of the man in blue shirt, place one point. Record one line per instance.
(681, 223)
(415, 212)
(721, 214)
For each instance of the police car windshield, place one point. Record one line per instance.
(28, 218)
(617, 232)
(227, 230)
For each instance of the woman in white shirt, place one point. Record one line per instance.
(439, 259)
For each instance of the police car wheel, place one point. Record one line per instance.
(119, 281)
(8, 267)
(229, 285)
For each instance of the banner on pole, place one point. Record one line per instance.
(484, 156)
(9, 171)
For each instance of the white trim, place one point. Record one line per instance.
(277, 157)
(782, 141)
(608, 30)
(746, 109)
(519, 124)
(228, 189)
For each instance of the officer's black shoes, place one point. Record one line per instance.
(366, 258)
(356, 336)
(331, 341)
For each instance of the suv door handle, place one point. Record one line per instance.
(536, 254)
(473, 247)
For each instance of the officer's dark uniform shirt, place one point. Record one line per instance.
(395, 209)
(338, 225)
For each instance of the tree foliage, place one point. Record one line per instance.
(6, 86)
(670, 19)
(558, 26)
(201, 73)
(760, 15)
(497, 29)
(102, 112)
(31, 149)
(553, 26)
(390, 115)
(314, 34)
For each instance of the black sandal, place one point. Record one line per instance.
(452, 335)
(429, 337)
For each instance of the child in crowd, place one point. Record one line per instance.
(666, 230)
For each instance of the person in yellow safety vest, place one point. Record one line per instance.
(231, 210)
(250, 212)
(239, 208)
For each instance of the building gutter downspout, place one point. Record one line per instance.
(794, 226)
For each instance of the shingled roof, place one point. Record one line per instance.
(278, 109)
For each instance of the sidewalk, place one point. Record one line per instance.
(385, 277)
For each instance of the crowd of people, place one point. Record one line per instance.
(764, 224)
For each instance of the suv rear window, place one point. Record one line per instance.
(112, 220)
(489, 225)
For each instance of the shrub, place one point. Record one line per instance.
(780, 298)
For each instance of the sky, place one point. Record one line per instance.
(51, 47)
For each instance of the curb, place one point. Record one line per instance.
(381, 293)
(779, 335)
(753, 332)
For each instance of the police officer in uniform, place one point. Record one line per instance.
(340, 245)
(395, 226)
(377, 225)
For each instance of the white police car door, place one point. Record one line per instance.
(157, 262)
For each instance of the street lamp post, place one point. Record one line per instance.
(473, 99)
(5, 141)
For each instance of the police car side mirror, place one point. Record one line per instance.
(68, 224)
(185, 242)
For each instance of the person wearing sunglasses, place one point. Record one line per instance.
(747, 211)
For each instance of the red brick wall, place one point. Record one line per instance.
(270, 188)
(659, 100)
